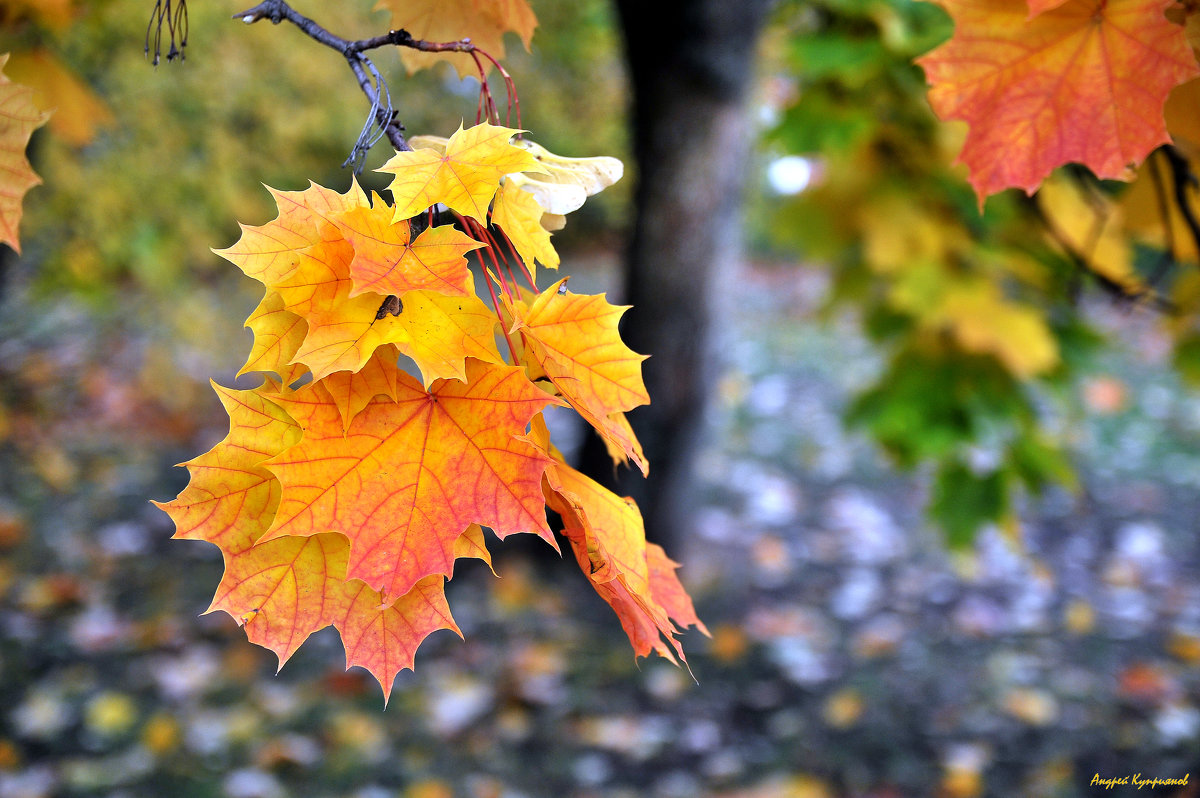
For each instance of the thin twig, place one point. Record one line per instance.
(176, 20)
(1115, 289)
(1183, 178)
(277, 11)
(1168, 258)
(375, 89)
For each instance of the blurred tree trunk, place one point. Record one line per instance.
(690, 78)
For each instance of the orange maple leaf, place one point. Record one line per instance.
(635, 578)
(283, 590)
(387, 262)
(484, 22)
(669, 592)
(231, 498)
(575, 340)
(1085, 81)
(409, 476)
(465, 177)
(19, 117)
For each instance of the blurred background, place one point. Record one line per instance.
(932, 474)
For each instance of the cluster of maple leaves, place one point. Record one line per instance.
(347, 500)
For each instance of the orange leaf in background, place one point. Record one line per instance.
(288, 588)
(57, 15)
(351, 391)
(574, 338)
(78, 112)
(231, 499)
(387, 262)
(1085, 82)
(440, 332)
(464, 178)
(520, 217)
(278, 334)
(484, 22)
(18, 119)
(410, 476)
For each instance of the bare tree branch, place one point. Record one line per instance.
(369, 78)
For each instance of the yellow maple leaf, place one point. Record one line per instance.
(464, 178)
(278, 334)
(440, 332)
(575, 340)
(270, 252)
(519, 215)
(344, 335)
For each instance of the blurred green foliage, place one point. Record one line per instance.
(978, 307)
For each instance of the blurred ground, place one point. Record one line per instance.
(851, 656)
